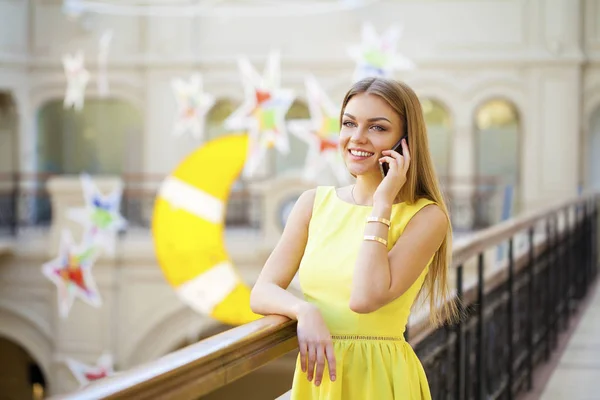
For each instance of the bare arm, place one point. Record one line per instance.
(269, 295)
(379, 276)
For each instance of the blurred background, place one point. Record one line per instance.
(101, 102)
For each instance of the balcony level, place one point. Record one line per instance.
(517, 312)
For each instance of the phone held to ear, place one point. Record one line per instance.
(384, 166)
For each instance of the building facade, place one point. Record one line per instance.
(510, 89)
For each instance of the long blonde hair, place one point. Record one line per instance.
(421, 182)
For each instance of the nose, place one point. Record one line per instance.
(359, 135)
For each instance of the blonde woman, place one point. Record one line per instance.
(363, 253)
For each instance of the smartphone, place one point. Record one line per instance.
(398, 148)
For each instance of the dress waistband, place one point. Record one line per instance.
(368, 337)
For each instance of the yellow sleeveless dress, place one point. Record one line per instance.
(372, 358)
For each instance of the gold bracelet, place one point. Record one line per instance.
(376, 239)
(382, 220)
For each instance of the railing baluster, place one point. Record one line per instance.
(511, 305)
(530, 275)
(556, 250)
(563, 271)
(595, 238)
(570, 264)
(546, 314)
(481, 391)
(460, 338)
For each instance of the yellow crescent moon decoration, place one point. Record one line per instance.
(188, 228)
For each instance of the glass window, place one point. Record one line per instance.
(498, 161)
(593, 156)
(103, 138)
(497, 126)
(296, 158)
(222, 109)
(439, 131)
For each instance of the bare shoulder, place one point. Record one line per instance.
(302, 210)
(432, 218)
(307, 199)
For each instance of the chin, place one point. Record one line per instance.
(361, 171)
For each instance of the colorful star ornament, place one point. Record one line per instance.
(85, 373)
(321, 132)
(77, 80)
(376, 55)
(100, 216)
(193, 105)
(262, 114)
(71, 272)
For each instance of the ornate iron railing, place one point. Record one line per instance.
(512, 316)
(25, 202)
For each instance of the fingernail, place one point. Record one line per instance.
(317, 383)
(333, 377)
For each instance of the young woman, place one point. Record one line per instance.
(363, 253)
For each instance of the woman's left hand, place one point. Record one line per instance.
(396, 177)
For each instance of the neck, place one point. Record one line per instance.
(365, 188)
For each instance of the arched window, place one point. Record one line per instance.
(8, 134)
(24, 379)
(296, 158)
(439, 131)
(9, 161)
(593, 149)
(498, 158)
(216, 116)
(103, 138)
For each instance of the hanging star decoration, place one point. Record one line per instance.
(77, 80)
(263, 112)
(321, 133)
(85, 373)
(100, 216)
(376, 55)
(104, 46)
(193, 104)
(71, 272)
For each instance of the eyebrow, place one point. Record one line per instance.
(370, 119)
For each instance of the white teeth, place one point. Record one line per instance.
(360, 153)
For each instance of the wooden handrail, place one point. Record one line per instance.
(502, 231)
(216, 361)
(199, 368)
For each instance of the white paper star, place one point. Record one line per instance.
(104, 46)
(263, 111)
(85, 373)
(71, 272)
(321, 132)
(77, 80)
(100, 216)
(193, 104)
(376, 55)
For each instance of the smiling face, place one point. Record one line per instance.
(369, 126)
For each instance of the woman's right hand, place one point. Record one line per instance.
(314, 341)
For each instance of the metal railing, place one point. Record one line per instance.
(25, 202)
(512, 316)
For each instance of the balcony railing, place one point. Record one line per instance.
(514, 312)
(25, 202)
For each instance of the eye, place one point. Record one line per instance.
(378, 128)
(348, 124)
